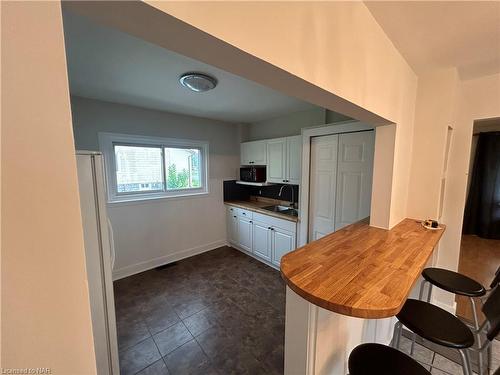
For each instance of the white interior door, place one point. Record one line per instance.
(354, 177)
(323, 185)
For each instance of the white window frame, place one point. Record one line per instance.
(107, 141)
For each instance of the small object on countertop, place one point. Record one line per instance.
(431, 224)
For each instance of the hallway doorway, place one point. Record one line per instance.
(480, 245)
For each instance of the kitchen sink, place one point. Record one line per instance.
(282, 210)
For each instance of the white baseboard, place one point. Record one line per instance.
(160, 261)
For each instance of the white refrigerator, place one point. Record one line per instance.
(99, 254)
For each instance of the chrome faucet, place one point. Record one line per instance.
(292, 202)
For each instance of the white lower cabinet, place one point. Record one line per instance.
(262, 240)
(232, 225)
(266, 237)
(245, 233)
(283, 242)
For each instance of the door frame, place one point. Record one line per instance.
(308, 133)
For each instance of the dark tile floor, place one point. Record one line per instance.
(220, 312)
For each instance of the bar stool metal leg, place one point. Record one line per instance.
(464, 354)
(398, 329)
(420, 296)
(478, 334)
(432, 360)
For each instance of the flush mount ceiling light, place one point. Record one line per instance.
(198, 82)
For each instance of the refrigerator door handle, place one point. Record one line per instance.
(111, 243)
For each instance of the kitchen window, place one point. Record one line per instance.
(139, 167)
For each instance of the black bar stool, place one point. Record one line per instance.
(442, 328)
(372, 359)
(460, 284)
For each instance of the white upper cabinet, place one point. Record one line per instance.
(294, 159)
(276, 156)
(284, 156)
(253, 153)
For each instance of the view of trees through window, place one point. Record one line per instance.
(140, 168)
(183, 168)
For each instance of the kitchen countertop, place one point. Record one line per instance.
(361, 271)
(256, 206)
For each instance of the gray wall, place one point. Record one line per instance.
(154, 232)
(290, 124)
(93, 116)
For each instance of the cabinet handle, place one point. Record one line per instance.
(230, 209)
(243, 213)
(250, 221)
(269, 228)
(234, 216)
(284, 180)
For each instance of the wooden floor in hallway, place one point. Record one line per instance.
(479, 259)
(220, 312)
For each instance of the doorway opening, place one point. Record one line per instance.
(480, 244)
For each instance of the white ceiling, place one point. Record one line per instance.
(441, 34)
(107, 64)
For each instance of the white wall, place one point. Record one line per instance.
(477, 99)
(45, 303)
(291, 124)
(285, 126)
(155, 232)
(436, 98)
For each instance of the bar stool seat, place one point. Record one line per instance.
(376, 359)
(435, 324)
(453, 282)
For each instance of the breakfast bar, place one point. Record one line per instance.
(344, 289)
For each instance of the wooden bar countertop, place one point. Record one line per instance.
(361, 271)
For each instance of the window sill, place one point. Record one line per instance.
(127, 201)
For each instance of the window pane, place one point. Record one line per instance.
(183, 168)
(138, 169)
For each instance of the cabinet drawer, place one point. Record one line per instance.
(275, 222)
(244, 213)
(241, 212)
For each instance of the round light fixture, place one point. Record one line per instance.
(198, 82)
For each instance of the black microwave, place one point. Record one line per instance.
(253, 174)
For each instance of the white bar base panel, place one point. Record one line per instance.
(319, 341)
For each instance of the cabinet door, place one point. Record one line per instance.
(262, 240)
(258, 153)
(245, 234)
(253, 153)
(276, 160)
(245, 152)
(283, 242)
(232, 225)
(294, 159)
